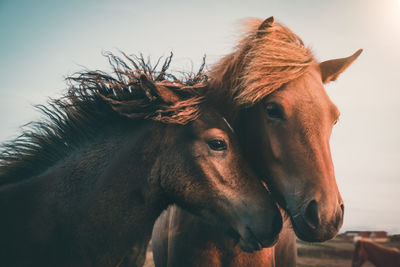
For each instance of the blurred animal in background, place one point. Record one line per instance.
(377, 254)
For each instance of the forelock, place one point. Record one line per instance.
(272, 58)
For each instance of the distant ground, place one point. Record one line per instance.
(334, 253)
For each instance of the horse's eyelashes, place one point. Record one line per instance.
(274, 111)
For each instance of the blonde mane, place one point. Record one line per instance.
(263, 61)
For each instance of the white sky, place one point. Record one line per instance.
(41, 42)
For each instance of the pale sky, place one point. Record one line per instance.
(41, 42)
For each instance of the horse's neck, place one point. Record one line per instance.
(130, 189)
(103, 197)
(134, 171)
(377, 254)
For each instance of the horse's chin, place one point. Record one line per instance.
(249, 246)
(248, 242)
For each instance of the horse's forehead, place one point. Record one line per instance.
(308, 91)
(306, 97)
(211, 119)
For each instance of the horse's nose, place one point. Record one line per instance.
(311, 215)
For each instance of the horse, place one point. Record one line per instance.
(377, 254)
(86, 185)
(271, 90)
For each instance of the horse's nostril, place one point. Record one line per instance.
(311, 215)
(277, 224)
(342, 208)
(339, 217)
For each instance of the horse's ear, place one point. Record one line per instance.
(265, 25)
(331, 69)
(166, 94)
(153, 90)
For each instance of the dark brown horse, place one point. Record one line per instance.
(271, 90)
(377, 254)
(86, 186)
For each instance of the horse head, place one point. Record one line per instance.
(284, 120)
(298, 120)
(206, 174)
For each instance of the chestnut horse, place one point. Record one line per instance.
(377, 254)
(271, 90)
(84, 187)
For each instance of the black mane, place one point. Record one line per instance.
(95, 100)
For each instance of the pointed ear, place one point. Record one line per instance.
(154, 90)
(265, 25)
(166, 94)
(331, 69)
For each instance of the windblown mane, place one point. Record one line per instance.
(263, 61)
(96, 100)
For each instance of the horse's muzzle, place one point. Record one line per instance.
(310, 225)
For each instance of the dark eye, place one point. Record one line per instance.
(217, 144)
(274, 111)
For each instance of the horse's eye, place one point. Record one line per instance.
(274, 111)
(217, 144)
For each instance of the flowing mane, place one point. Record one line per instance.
(95, 101)
(263, 61)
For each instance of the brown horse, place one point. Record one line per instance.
(86, 186)
(271, 90)
(379, 255)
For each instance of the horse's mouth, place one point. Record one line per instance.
(250, 243)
